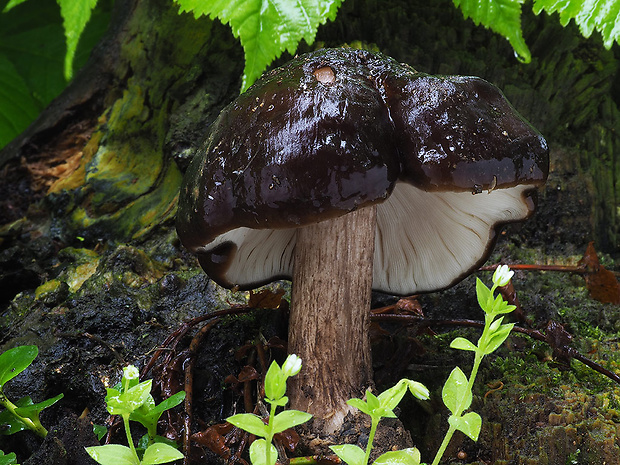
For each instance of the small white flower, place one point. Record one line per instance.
(130, 372)
(502, 275)
(291, 366)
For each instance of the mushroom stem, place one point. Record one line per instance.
(329, 318)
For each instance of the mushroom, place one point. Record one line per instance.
(347, 171)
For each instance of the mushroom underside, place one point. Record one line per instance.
(424, 241)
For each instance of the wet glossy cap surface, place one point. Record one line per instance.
(340, 129)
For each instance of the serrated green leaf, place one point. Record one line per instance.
(250, 423)
(455, 394)
(351, 454)
(113, 454)
(410, 456)
(502, 17)
(8, 459)
(461, 343)
(602, 16)
(9, 6)
(266, 28)
(289, 418)
(75, 15)
(160, 453)
(469, 424)
(16, 360)
(258, 455)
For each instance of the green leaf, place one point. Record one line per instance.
(463, 344)
(275, 382)
(360, 405)
(17, 107)
(32, 411)
(250, 423)
(410, 456)
(16, 360)
(602, 16)
(12, 4)
(113, 454)
(497, 338)
(148, 414)
(469, 424)
(8, 459)
(391, 397)
(127, 402)
(502, 17)
(258, 453)
(266, 28)
(160, 453)
(100, 431)
(350, 453)
(9, 423)
(455, 394)
(484, 295)
(75, 15)
(289, 418)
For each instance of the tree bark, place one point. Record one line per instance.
(329, 318)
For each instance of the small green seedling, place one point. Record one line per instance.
(9, 459)
(457, 391)
(132, 400)
(378, 407)
(23, 414)
(262, 451)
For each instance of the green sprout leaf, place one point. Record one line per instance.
(148, 414)
(601, 16)
(32, 411)
(360, 405)
(16, 360)
(463, 344)
(266, 28)
(250, 423)
(469, 424)
(502, 17)
(455, 394)
(258, 453)
(497, 337)
(160, 453)
(113, 454)
(410, 456)
(126, 402)
(275, 382)
(484, 295)
(391, 397)
(288, 419)
(351, 454)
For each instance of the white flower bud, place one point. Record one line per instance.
(502, 275)
(291, 366)
(130, 372)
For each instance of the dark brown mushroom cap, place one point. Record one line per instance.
(340, 129)
(304, 144)
(460, 133)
